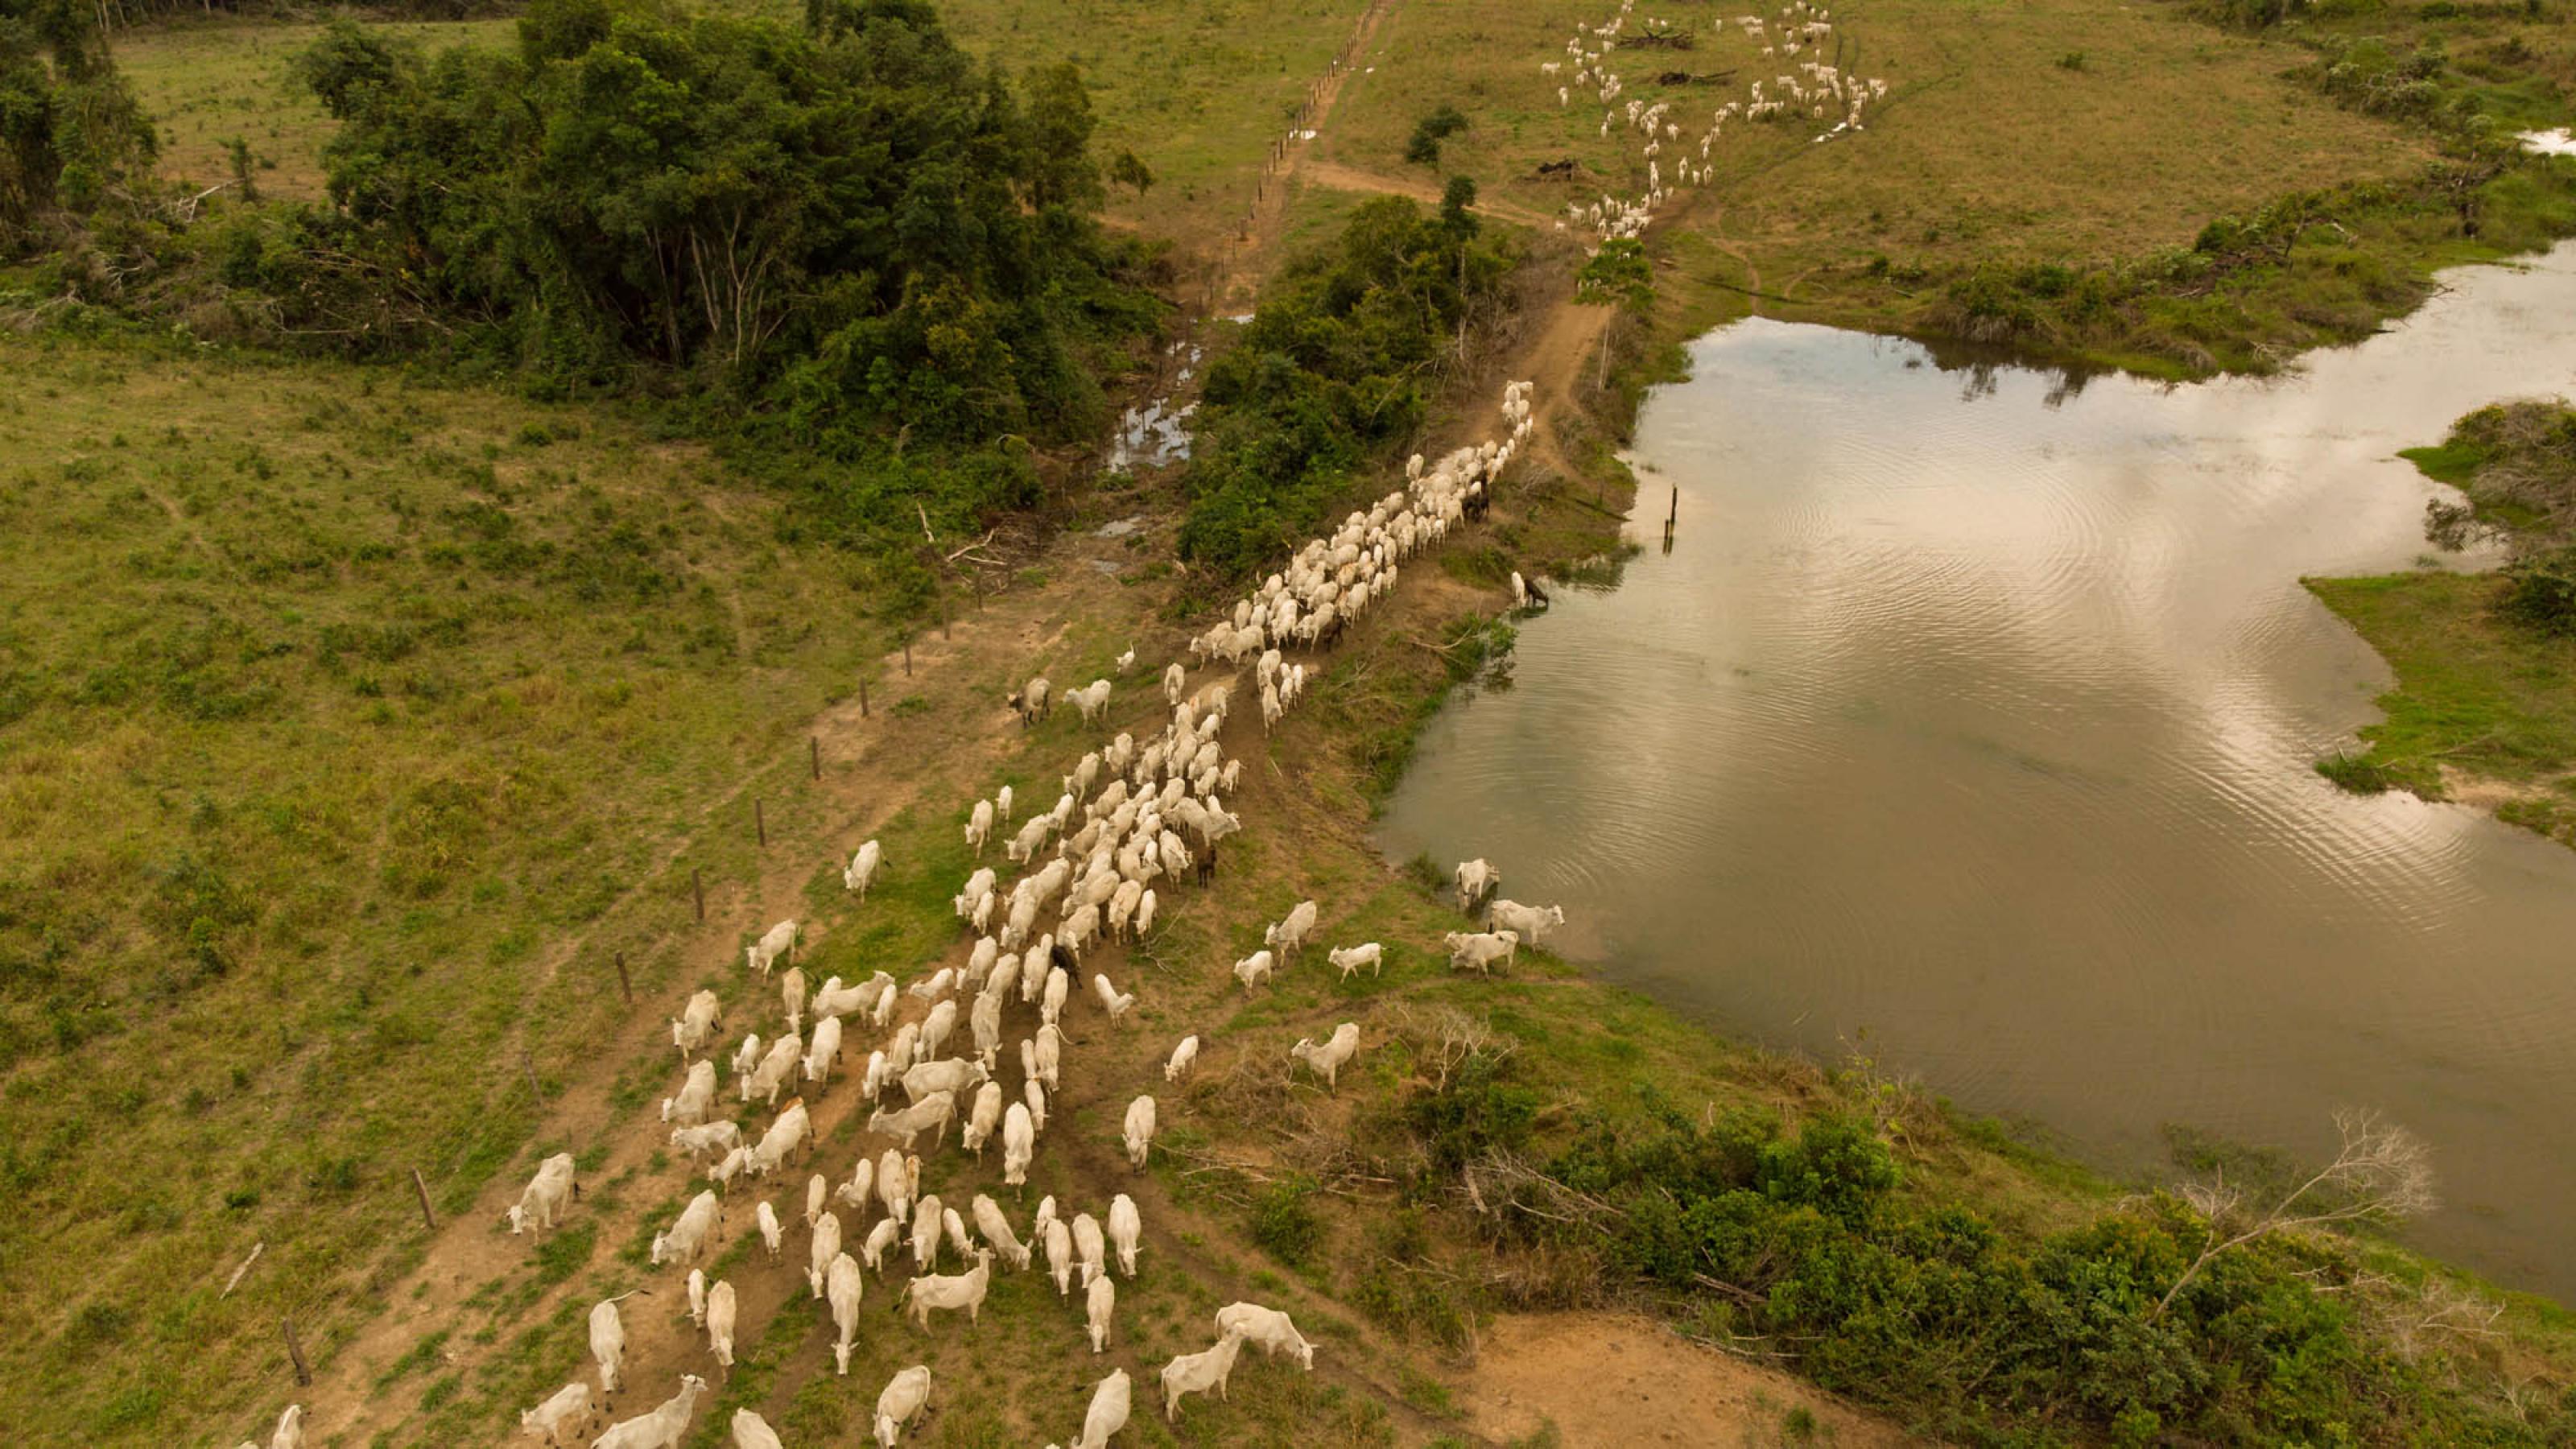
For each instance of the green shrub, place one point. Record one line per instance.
(1284, 1221)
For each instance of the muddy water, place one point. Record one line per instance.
(1973, 720)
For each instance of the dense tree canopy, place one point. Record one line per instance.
(854, 227)
(69, 130)
(1337, 366)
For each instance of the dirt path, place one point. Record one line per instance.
(1347, 178)
(1616, 1380)
(1256, 246)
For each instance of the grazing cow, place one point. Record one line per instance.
(1351, 958)
(997, 1231)
(750, 1431)
(906, 1394)
(562, 1417)
(863, 869)
(687, 1239)
(1269, 1328)
(936, 1110)
(951, 1291)
(846, 1285)
(1099, 1301)
(607, 1344)
(1326, 1061)
(697, 1024)
(720, 1316)
(1477, 879)
(1480, 951)
(552, 1190)
(779, 940)
(1111, 1000)
(697, 1094)
(1196, 1373)
(662, 1428)
(1139, 1130)
(1126, 1232)
(1184, 1057)
(1291, 931)
(1254, 969)
(1107, 1414)
(1529, 922)
(1030, 702)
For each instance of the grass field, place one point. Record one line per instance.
(353, 726)
(1197, 91)
(1986, 148)
(335, 704)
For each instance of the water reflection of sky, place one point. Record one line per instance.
(1975, 712)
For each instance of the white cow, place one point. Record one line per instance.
(778, 1066)
(773, 1234)
(1091, 1246)
(1480, 950)
(1107, 1414)
(983, 1118)
(1254, 969)
(1530, 922)
(821, 1250)
(607, 1343)
(720, 1315)
(791, 996)
(1269, 1328)
(906, 1394)
(950, 1291)
(1176, 682)
(996, 1229)
(696, 1095)
(660, 1429)
(707, 1138)
(1139, 1130)
(1352, 958)
(979, 825)
(1196, 1373)
(934, 1111)
(845, 1285)
(1111, 1000)
(1019, 1145)
(562, 1417)
(826, 1047)
(1326, 1061)
(688, 1237)
(863, 869)
(551, 1191)
(790, 1132)
(750, 1431)
(1126, 1231)
(697, 1024)
(779, 940)
(1477, 879)
(1292, 930)
(1099, 1301)
(1059, 1251)
(1184, 1057)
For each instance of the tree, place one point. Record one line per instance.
(1126, 170)
(1617, 275)
(2381, 1174)
(71, 134)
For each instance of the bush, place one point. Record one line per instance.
(1284, 1221)
(1335, 371)
(1423, 147)
(2540, 591)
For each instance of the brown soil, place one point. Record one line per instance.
(1611, 1379)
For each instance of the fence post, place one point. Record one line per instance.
(295, 1352)
(760, 820)
(814, 746)
(625, 983)
(863, 699)
(428, 1218)
(698, 888)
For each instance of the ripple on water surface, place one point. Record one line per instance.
(1978, 714)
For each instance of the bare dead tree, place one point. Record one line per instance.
(2381, 1174)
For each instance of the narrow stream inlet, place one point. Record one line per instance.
(1972, 716)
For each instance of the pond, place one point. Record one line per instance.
(1970, 722)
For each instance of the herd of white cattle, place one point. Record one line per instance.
(1815, 89)
(1130, 814)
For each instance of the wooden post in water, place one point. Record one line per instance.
(1675, 515)
(625, 984)
(698, 888)
(295, 1352)
(428, 1219)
